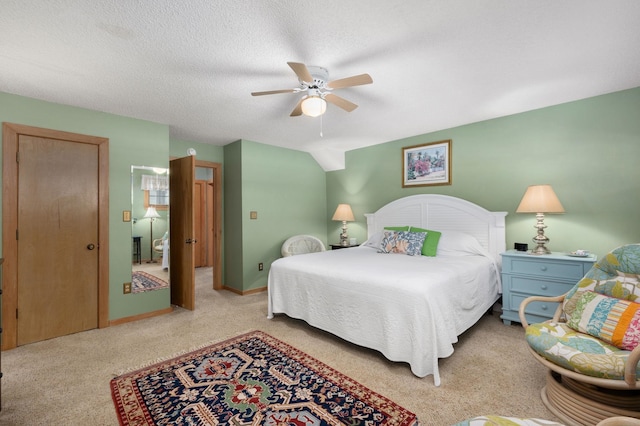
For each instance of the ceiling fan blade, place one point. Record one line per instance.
(341, 102)
(272, 92)
(301, 71)
(356, 80)
(298, 109)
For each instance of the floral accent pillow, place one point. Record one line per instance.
(616, 321)
(402, 242)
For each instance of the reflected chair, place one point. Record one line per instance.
(591, 344)
(158, 245)
(301, 244)
(161, 245)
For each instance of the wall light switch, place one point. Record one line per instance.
(126, 216)
(253, 215)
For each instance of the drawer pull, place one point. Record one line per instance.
(543, 268)
(544, 287)
(543, 307)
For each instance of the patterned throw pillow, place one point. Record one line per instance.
(402, 242)
(621, 286)
(615, 321)
(430, 246)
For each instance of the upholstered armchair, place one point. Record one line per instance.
(301, 244)
(591, 344)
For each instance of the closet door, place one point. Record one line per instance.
(57, 238)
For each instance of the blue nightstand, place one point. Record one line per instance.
(525, 275)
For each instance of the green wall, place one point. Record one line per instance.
(131, 142)
(587, 150)
(204, 151)
(286, 188)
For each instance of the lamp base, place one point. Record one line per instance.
(540, 239)
(540, 249)
(344, 238)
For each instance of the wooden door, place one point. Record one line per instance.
(199, 211)
(57, 238)
(182, 239)
(204, 220)
(55, 217)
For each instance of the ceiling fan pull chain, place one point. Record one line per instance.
(321, 126)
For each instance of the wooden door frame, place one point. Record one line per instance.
(10, 135)
(217, 219)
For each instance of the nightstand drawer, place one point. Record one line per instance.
(544, 268)
(536, 286)
(542, 309)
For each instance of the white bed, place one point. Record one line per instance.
(410, 308)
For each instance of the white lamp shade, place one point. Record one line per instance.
(151, 213)
(344, 213)
(313, 106)
(540, 199)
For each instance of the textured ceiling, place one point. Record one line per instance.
(435, 64)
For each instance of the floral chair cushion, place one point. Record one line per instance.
(505, 421)
(576, 351)
(616, 275)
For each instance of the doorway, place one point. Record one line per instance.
(207, 206)
(212, 232)
(55, 234)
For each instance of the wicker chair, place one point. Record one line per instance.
(590, 379)
(301, 244)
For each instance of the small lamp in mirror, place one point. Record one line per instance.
(152, 215)
(343, 213)
(540, 199)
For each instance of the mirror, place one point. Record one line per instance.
(149, 228)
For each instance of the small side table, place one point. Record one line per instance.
(137, 250)
(338, 246)
(525, 275)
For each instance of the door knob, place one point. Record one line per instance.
(191, 241)
(91, 246)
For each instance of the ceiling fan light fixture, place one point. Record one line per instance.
(314, 106)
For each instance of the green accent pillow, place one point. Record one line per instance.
(430, 246)
(397, 228)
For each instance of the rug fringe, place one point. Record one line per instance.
(158, 360)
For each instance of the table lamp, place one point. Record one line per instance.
(540, 199)
(344, 214)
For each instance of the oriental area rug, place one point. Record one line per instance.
(251, 379)
(143, 281)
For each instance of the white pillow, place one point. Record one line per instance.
(374, 241)
(454, 243)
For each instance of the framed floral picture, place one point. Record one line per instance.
(427, 164)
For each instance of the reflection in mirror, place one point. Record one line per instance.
(149, 228)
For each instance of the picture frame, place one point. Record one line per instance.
(427, 164)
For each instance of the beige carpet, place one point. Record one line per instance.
(65, 381)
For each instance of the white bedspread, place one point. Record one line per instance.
(410, 308)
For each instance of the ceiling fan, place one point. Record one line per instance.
(314, 82)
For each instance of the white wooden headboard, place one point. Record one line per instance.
(443, 213)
